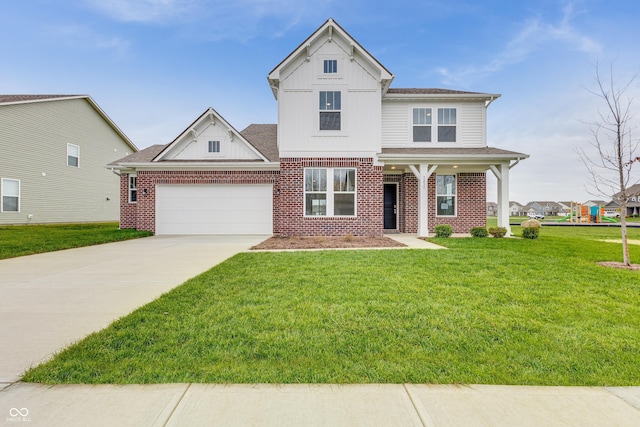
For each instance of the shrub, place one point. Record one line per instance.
(443, 230)
(498, 232)
(531, 223)
(530, 232)
(479, 232)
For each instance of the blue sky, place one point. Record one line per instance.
(155, 65)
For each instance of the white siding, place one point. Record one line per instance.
(397, 121)
(298, 104)
(190, 149)
(34, 138)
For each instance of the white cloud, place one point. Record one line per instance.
(535, 34)
(82, 37)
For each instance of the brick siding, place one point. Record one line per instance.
(142, 215)
(369, 199)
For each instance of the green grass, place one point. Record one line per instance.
(19, 240)
(488, 311)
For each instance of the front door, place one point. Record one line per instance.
(390, 206)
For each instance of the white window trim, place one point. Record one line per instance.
(455, 196)
(214, 153)
(78, 147)
(2, 194)
(341, 111)
(434, 124)
(331, 193)
(327, 76)
(129, 188)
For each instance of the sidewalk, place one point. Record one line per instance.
(318, 405)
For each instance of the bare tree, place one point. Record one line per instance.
(615, 150)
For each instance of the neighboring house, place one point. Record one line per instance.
(565, 208)
(349, 155)
(633, 200)
(544, 208)
(591, 203)
(54, 151)
(516, 209)
(492, 209)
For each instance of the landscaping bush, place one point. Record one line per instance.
(530, 232)
(479, 232)
(498, 231)
(534, 223)
(443, 230)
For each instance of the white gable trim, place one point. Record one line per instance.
(212, 116)
(329, 30)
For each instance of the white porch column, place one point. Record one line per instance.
(502, 174)
(422, 173)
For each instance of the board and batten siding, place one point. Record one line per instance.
(397, 122)
(34, 138)
(302, 80)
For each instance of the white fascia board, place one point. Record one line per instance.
(222, 166)
(442, 96)
(448, 159)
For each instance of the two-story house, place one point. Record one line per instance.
(349, 155)
(54, 149)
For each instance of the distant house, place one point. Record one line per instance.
(633, 200)
(565, 207)
(54, 152)
(544, 208)
(516, 209)
(492, 209)
(591, 203)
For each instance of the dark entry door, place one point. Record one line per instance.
(390, 207)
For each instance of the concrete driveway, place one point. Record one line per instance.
(51, 300)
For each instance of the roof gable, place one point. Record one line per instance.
(23, 99)
(193, 143)
(330, 31)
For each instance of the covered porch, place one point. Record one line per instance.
(424, 187)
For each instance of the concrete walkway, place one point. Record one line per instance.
(318, 405)
(50, 300)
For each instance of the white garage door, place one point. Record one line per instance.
(214, 209)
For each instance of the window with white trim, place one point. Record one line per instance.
(330, 66)
(330, 192)
(330, 106)
(445, 129)
(445, 195)
(10, 189)
(422, 125)
(133, 188)
(73, 155)
(214, 147)
(447, 125)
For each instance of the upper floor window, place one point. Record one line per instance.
(422, 125)
(446, 125)
(10, 189)
(133, 188)
(330, 66)
(214, 147)
(330, 106)
(330, 192)
(445, 195)
(445, 129)
(73, 155)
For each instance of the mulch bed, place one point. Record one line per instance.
(323, 242)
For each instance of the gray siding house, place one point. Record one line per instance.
(54, 151)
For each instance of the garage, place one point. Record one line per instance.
(214, 209)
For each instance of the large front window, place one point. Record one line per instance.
(445, 195)
(330, 192)
(330, 106)
(10, 189)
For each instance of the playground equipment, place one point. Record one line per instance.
(581, 213)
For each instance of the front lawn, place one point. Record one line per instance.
(19, 240)
(488, 311)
